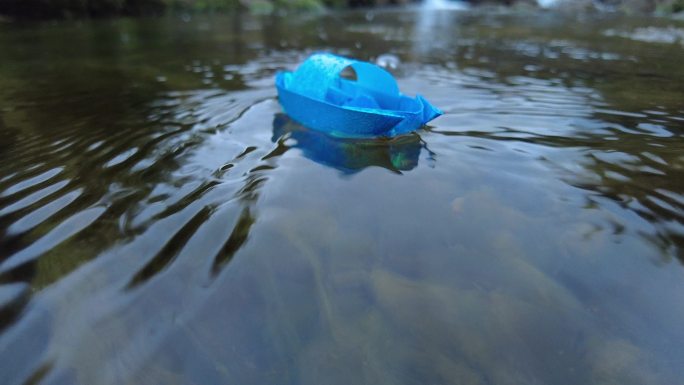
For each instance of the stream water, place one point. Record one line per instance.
(162, 222)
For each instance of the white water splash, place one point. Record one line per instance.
(444, 5)
(547, 3)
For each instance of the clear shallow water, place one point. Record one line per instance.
(162, 222)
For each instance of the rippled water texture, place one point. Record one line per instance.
(162, 222)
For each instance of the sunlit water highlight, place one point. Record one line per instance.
(161, 220)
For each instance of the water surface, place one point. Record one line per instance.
(162, 222)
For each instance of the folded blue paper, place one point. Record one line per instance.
(317, 96)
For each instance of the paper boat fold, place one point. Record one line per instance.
(318, 97)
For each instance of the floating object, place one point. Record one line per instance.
(388, 61)
(318, 97)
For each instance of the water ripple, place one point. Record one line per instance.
(162, 220)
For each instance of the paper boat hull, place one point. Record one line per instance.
(335, 120)
(368, 104)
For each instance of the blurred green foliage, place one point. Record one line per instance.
(43, 9)
(46, 9)
(673, 6)
(202, 5)
(78, 8)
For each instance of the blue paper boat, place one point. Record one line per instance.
(316, 96)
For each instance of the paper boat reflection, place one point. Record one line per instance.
(350, 155)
